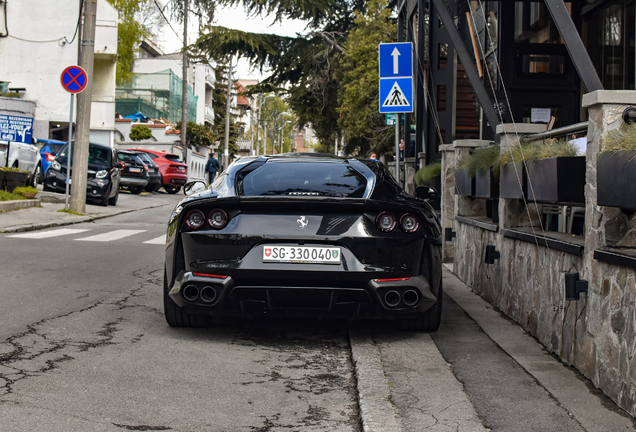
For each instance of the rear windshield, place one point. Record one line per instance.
(171, 157)
(127, 157)
(304, 179)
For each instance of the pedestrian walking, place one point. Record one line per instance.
(212, 167)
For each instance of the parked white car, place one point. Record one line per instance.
(25, 157)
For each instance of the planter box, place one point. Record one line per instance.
(13, 179)
(464, 183)
(557, 180)
(616, 179)
(486, 185)
(509, 182)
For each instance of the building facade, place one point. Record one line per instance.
(38, 40)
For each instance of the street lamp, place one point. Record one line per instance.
(282, 129)
(260, 119)
(275, 124)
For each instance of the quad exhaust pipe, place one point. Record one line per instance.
(207, 294)
(393, 298)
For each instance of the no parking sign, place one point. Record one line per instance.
(74, 79)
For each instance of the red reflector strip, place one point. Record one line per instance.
(210, 276)
(392, 280)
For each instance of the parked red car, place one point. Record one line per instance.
(174, 173)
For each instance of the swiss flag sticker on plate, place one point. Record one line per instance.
(268, 252)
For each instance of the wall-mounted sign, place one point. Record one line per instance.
(540, 115)
(16, 128)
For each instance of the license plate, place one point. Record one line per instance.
(301, 254)
(134, 169)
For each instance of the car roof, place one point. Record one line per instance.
(48, 141)
(157, 152)
(134, 153)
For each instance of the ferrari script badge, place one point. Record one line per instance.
(302, 222)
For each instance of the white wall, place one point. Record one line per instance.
(36, 60)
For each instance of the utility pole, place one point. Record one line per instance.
(258, 123)
(184, 96)
(84, 101)
(252, 128)
(227, 115)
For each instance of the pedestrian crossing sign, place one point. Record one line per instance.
(396, 95)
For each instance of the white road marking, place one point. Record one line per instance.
(111, 236)
(159, 240)
(48, 234)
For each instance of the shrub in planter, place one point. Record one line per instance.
(482, 166)
(616, 170)
(553, 172)
(13, 178)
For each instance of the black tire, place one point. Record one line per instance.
(172, 189)
(135, 189)
(175, 316)
(430, 320)
(113, 201)
(37, 177)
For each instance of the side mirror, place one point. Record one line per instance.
(426, 193)
(121, 165)
(193, 187)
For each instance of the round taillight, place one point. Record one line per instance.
(195, 219)
(385, 221)
(409, 223)
(218, 219)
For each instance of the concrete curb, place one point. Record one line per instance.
(376, 410)
(79, 219)
(19, 204)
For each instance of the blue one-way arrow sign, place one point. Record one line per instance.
(396, 77)
(396, 60)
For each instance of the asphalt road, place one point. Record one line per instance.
(84, 347)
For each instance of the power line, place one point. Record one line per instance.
(169, 24)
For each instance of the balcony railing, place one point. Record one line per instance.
(209, 113)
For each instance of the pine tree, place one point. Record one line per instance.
(358, 92)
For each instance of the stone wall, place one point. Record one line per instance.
(596, 334)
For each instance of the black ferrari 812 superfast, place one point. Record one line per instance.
(304, 235)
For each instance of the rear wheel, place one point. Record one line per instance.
(172, 189)
(136, 189)
(175, 316)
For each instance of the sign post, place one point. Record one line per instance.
(396, 86)
(74, 81)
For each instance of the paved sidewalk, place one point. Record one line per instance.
(47, 215)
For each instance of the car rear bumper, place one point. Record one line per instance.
(217, 295)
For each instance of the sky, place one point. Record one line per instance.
(236, 19)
